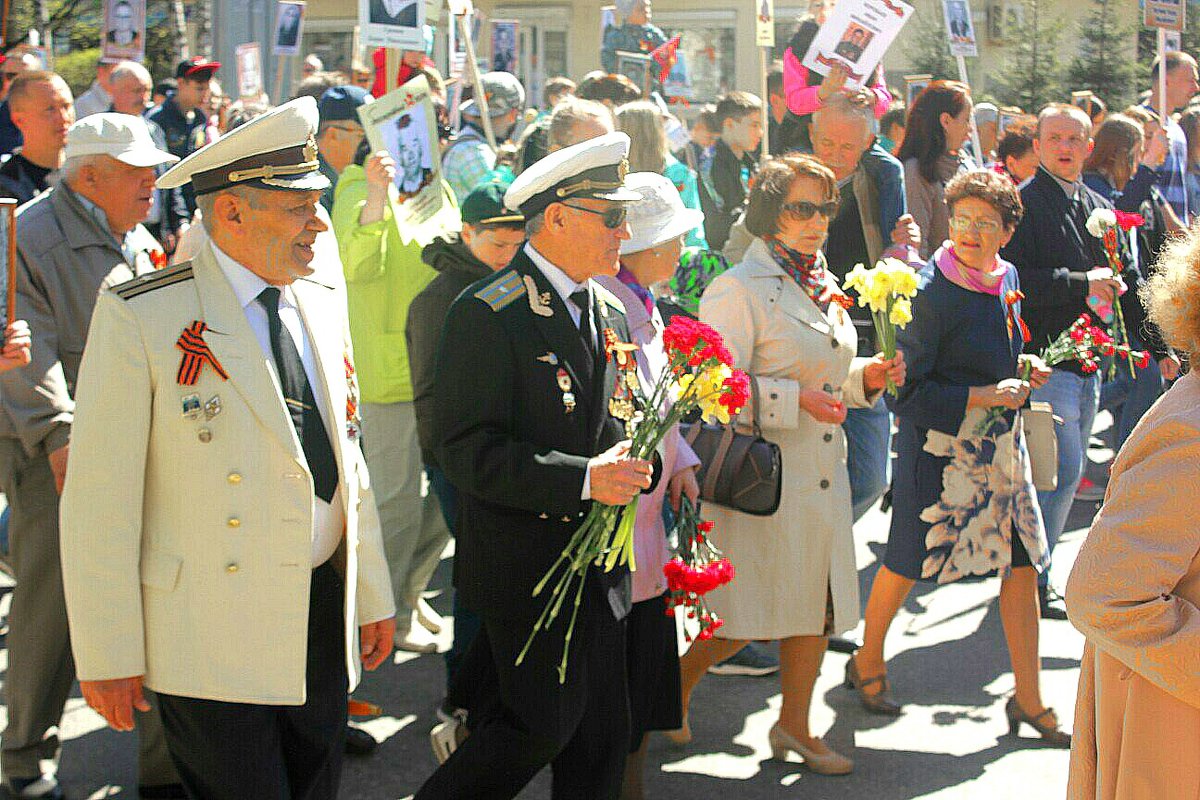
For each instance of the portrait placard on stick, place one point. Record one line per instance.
(124, 36)
(504, 45)
(960, 28)
(913, 86)
(404, 123)
(392, 23)
(8, 259)
(856, 35)
(764, 24)
(249, 70)
(1169, 14)
(289, 27)
(636, 67)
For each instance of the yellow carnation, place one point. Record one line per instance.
(901, 313)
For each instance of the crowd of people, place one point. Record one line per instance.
(246, 407)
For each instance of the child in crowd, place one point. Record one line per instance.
(725, 181)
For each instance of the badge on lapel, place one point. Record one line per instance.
(538, 303)
(623, 402)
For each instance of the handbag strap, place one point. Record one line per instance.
(718, 461)
(755, 396)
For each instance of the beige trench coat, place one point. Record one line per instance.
(1135, 594)
(788, 564)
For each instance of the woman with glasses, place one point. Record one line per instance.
(963, 501)
(783, 317)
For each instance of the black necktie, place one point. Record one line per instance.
(301, 404)
(582, 299)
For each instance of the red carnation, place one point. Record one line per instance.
(1143, 359)
(706, 526)
(737, 391)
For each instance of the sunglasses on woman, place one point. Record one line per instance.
(804, 210)
(612, 217)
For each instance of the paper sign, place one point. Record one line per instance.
(289, 26)
(392, 23)
(504, 45)
(404, 122)
(856, 36)
(1169, 14)
(124, 36)
(764, 24)
(913, 86)
(636, 67)
(249, 70)
(960, 28)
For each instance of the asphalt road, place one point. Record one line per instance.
(947, 661)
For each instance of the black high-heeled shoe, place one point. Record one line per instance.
(1045, 723)
(879, 703)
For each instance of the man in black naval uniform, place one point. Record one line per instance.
(524, 430)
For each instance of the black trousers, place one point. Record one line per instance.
(530, 720)
(236, 751)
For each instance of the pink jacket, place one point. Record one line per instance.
(649, 533)
(803, 99)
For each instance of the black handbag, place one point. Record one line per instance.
(741, 471)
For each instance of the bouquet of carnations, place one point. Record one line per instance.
(887, 289)
(697, 568)
(1103, 224)
(1082, 342)
(700, 374)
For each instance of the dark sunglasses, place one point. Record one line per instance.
(804, 210)
(612, 217)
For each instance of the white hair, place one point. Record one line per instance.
(130, 69)
(75, 164)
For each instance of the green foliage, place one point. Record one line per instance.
(927, 44)
(1033, 75)
(78, 23)
(1148, 38)
(1102, 64)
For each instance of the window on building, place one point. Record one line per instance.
(708, 46)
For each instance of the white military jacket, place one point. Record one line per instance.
(187, 516)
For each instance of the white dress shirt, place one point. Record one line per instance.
(565, 287)
(329, 519)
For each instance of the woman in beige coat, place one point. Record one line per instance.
(1135, 589)
(783, 318)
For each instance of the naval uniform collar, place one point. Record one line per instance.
(247, 286)
(562, 283)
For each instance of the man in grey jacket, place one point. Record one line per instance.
(75, 240)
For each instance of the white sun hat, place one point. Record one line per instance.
(659, 216)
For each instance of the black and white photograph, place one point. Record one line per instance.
(504, 45)
(636, 67)
(124, 30)
(406, 138)
(249, 70)
(289, 26)
(960, 28)
(392, 23)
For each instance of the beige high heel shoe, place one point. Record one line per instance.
(831, 763)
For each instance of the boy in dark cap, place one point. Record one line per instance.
(182, 116)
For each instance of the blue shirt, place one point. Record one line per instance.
(1172, 175)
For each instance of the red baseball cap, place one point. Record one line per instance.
(197, 67)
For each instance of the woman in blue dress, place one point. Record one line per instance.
(964, 503)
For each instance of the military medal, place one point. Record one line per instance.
(548, 358)
(212, 407)
(623, 404)
(564, 384)
(353, 423)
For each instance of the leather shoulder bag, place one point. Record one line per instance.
(740, 471)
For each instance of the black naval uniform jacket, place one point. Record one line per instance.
(507, 441)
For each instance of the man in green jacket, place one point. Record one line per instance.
(384, 272)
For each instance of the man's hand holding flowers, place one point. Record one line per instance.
(615, 478)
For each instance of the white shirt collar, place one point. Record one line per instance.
(246, 285)
(561, 282)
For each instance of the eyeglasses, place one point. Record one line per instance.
(613, 216)
(963, 224)
(804, 210)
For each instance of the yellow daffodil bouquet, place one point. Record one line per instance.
(887, 289)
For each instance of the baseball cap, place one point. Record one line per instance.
(122, 136)
(342, 102)
(196, 67)
(485, 205)
(504, 94)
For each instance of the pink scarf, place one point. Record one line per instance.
(972, 280)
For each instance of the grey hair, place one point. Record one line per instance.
(74, 165)
(130, 69)
(842, 105)
(534, 224)
(205, 202)
(567, 114)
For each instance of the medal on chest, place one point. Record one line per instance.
(622, 404)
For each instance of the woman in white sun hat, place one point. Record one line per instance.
(658, 223)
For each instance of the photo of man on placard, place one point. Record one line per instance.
(406, 138)
(854, 43)
(504, 46)
(394, 12)
(287, 28)
(124, 30)
(122, 25)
